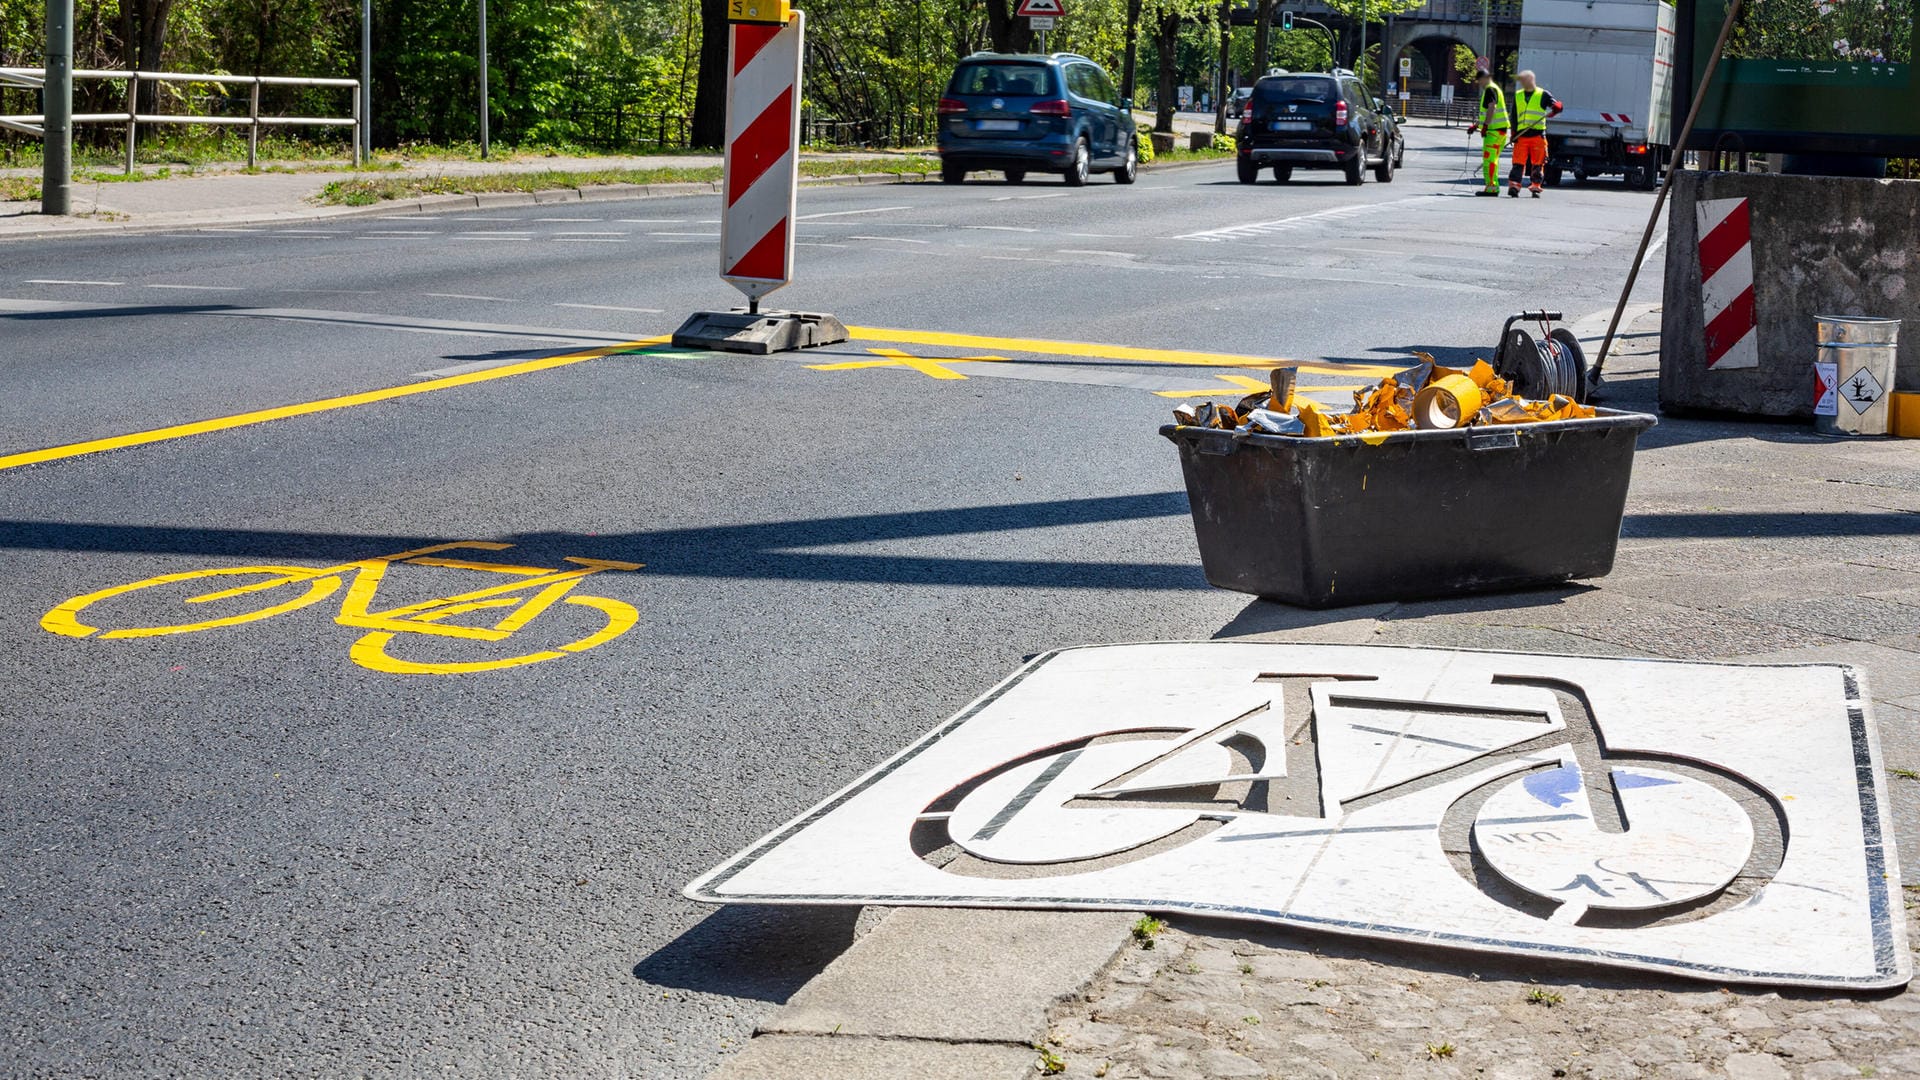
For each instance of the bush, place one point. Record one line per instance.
(1143, 139)
(1224, 144)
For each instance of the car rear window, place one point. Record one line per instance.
(1012, 79)
(1269, 91)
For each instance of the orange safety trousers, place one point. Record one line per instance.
(1529, 161)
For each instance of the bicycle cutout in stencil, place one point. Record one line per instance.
(493, 614)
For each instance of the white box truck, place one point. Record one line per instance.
(1610, 62)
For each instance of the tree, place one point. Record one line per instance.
(1262, 37)
(710, 93)
(143, 34)
(1010, 34)
(1220, 93)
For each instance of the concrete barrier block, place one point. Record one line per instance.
(1199, 140)
(1821, 245)
(1163, 142)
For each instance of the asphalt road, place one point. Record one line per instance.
(241, 851)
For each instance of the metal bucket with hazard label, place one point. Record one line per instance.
(1853, 374)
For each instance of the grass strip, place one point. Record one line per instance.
(371, 190)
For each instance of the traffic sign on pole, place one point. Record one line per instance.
(1041, 22)
(760, 175)
(1043, 8)
(1406, 66)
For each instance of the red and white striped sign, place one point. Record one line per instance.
(1616, 118)
(1726, 283)
(762, 168)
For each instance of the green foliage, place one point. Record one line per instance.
(1146, 928)
(1224, 144)
(1144, 140)
(368, 191)
(1050, 1063)
(1863, 31)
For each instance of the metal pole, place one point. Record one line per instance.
(253, 126)
(1660, 201)
(56, 127)
(359, 126)
(363, 102)
(483, 78)
(133, 114)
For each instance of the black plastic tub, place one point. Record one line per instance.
(1356, 519)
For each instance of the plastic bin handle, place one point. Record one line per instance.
(1494, 440)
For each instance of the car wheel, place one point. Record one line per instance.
(1400, 156)
(1282, 173)
(951, 173)
(1249, 172)
(1130, 168)
(1383, 172)
(1082, 164)
(1015, 176)
(1357, 169)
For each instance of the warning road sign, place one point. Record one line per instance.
(1042, 8)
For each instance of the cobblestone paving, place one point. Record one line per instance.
(1206, 1002)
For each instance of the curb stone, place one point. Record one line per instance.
(935, 992)
(430, 204)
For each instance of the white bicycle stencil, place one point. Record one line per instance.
(1712, 820)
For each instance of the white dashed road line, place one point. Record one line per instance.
(57, 281)
(612, 307)
(850, 213)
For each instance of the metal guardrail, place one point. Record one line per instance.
(35, 78)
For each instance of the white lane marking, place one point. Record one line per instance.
(999, 228)
(612, 307)
(230, 229)
(588, 240)
(398, 233)
(493, 236)
(814, 243)
(201, 288)
(1023, 198)
(895, 239)
(708, 221)
(565, 219)
(469, 296)
(1095, 251)
(706, 234)
(850, 213)
(57, 281)
(1265, 228)
(304, 232)
(496, 232)
(1096, 236)
(1658, 242)
(651, 220)
(570, 233)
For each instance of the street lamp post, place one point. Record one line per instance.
(56, 107)
(483, 78)
(366, 80)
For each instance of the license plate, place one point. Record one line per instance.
(1584, 144)
(996, 125)
(1292, 125)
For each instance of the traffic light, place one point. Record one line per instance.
(1286, 20)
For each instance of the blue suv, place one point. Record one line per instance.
(1022, 114)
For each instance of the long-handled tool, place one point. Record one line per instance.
(1660, 201)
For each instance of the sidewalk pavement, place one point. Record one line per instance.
(210, 196)
(1743, 541)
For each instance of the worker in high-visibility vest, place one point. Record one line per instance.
(1492, 126)
(1531, 107)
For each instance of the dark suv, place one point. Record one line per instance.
(1022, 114)
(1314, 122)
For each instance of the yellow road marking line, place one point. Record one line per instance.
(1179, 357)
(308, 408)
(1243, 382)
(934, 367)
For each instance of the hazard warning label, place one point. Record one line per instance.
(1041, 8)
(1861, 390)
(1826, 389)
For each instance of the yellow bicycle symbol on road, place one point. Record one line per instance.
(290, 588)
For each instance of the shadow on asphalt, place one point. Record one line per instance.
(755, 951)
(761, 551)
